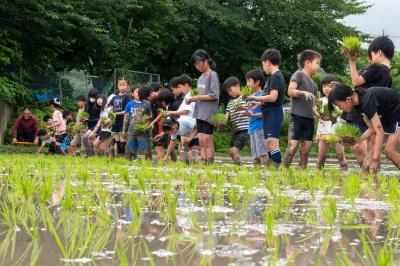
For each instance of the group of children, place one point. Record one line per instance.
(152, 116)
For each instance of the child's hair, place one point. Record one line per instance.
(202, 55)
(384, 44)
(166, 96)
(93, 92)
(144, 92)
(174, 82)
(80, 98)
(42, 132)
(185, 79)
(135, 87)
(168, 123)
(123, 78)
(46, 118)
(272, 55)
(101, 108)
(340, 92)
(230, 82)
(255, 75)
(55, 102)
(66, 113)
(155, 86)
(308, 55)
(328, 79)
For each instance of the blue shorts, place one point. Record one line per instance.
(391, 129)
(303, 128)
(141, 143)
(273, 117)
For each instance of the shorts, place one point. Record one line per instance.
(257, 143)
(162, 142)
(194, 142)
(104, 135)
(204, 127)
(116, 128)
(139, 142)
(391, 129)
(26, 136)
(239, 139)
(273, 117)
(303, 128)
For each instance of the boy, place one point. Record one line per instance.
(46, 138)
(81, 103)
(302, 91)
(380, 54)
(236, 115)
(254, 79)
(118, 104)
(136, 112)
(272, 99)
(177, 92)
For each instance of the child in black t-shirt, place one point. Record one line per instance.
(381, 110)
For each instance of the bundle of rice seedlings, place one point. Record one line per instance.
(111, 115)
(70, 128)
(163, 112)
(246, 92)
(347, 134)
(84, 117)
(79, 128)
(195, 92)
(219, 117)
(332, 138)
(143, 125)
(351, 45)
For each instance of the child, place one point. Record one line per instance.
(302, 91)
(136, 112)
(380, 54)
(381, 110)
(118, 104)
(47, 139)
(272, 99)
(81, 103)
(254, 79)
(68, 117)
(325, 127)
(237, 117)
(177, 92)
(94, 114)
(182, 127)
(102, 142)
(206, 103)
(58, 123)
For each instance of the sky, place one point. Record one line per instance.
(384, 15)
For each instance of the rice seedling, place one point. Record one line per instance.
(347, 134)
(195, 92)
(352, 187)
(219, 118)
(269, 226)
(246, 91)
(84, 117)
(351, 45)
(329, 212)
(143, 125)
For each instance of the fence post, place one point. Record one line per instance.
(115, 80)
(59, 85)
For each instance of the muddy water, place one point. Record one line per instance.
(218, 233)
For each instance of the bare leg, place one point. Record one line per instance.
(392, 144)
(322, 151)
(305, 150)
(209, 148)
(339, 148)
(234, 153)
(291, 150)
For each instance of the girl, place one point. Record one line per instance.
(381, 110)
(102, 142)
(325, 127)
(94, 114)
(206, 103)
(58, 125)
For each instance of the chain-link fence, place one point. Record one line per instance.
(73, 83)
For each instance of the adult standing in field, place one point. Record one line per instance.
(206, 103)
(25, 128)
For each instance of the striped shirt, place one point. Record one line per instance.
(237, 118)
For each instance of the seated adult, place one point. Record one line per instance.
(25, 128)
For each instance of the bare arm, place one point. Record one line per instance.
(273, 95)
(356, 79)
(380, 136)
(169, 149)
(178, 113)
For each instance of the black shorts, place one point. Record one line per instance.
(162, 142)
(239, 139)
(117, 127)
(194, 142)
(204, 127)
(104, 135)
(303, 128)
(26, 136)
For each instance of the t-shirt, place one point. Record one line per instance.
(187, 107)
(58, 117)
(178, 101)
(208, 84)
(48, 141)
(78, 115)
(376, 75)
(255, 123)
(186, 126)
(136, 111)
(28, 125)
(384, 101)
(237, 118)
(275, 82)
(299, 105)
(118, 103)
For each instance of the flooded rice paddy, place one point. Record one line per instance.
(98, 211)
